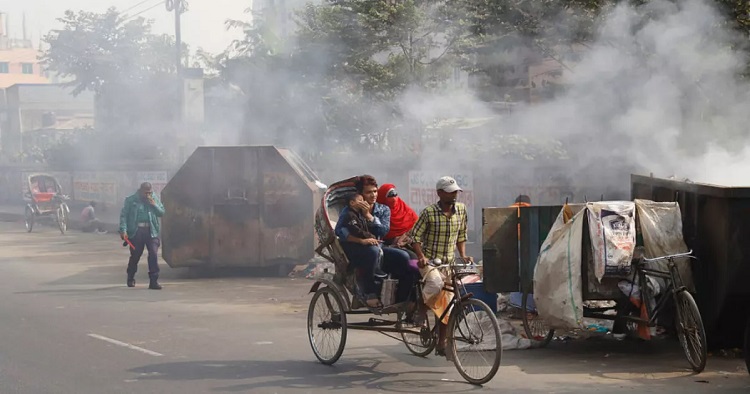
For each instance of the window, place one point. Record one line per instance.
(27, 68)
(3, 67)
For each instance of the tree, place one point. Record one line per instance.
(381, 46)
(497, 40)
(129, 69)
(100, 49)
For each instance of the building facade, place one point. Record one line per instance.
(19, 60)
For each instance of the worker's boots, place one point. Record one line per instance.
(154, 282)
(131, 280)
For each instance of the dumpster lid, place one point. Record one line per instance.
(706, 189)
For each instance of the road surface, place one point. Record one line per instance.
(70, 325)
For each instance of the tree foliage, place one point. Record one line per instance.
(131, 71)
(100, 49)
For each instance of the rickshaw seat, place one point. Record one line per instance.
(43, 197)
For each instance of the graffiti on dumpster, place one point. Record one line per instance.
(277, 185)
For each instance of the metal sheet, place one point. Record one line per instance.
(716, 228)
(500, 249)
(536, 222)
(243, 206)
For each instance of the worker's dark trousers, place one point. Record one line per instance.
(141, 240)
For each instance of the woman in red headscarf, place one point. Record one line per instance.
(402, 216)
(403, 219)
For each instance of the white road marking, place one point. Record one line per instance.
(264, 343)
(124, 344)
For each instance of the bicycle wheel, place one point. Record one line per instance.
(326, 325)
(535, 327)
(690, 330)
(29, 219)
(62, 219)
(423, 320)
(474, 341)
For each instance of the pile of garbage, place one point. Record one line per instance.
(316, 268)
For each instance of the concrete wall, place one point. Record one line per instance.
(108, 188)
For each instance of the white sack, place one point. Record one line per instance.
(612, 232)
(661, 228)
(557, 276)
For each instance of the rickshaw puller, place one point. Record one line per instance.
(439, 231)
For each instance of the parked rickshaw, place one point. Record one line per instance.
(45, 202)
(510, 265)
(473, 335)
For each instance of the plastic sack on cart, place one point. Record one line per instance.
(633, 290)
(612, 233)
(433, 283)
(661, 228)
(557, 275)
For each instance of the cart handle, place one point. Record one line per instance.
(687, 254)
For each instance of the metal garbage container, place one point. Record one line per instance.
(717, 229)
(240, 206)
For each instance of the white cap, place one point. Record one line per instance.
(447, 184)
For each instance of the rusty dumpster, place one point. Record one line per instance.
(716, 225)
(240, 206)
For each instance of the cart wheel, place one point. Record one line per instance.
(535, 327)
(326, 325)
(29, 218)
(62, 219)
(690, 330)
(423, 321)
(474, 341)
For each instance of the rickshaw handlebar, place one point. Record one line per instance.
(687, 254)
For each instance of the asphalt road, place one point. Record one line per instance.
(68, 324)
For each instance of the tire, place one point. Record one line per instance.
(690, 330)
(423, 344)
(536, 329)
(326, 325)
(473, 324)
(62, 219)
(29, 219)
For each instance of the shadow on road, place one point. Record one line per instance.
(295, 374)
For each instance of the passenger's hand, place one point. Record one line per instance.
(468, 259)
(150, 200)
(370, 242)
(423, 261)
(403, 240)
(124, 236)
(363, 207)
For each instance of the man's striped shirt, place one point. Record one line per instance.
(439, 233)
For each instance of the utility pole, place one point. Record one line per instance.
(178, 6)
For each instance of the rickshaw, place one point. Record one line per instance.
(473, 335)
(536, 224)
(45, 202)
